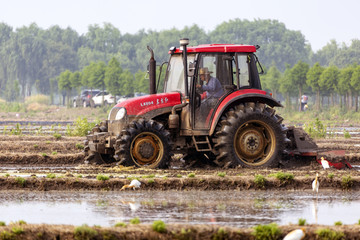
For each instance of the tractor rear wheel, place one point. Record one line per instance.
(144, 144)
(251, 136)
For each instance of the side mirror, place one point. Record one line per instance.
(191, 70)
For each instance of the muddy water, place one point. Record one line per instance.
(232, 208)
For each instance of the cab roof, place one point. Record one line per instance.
(218, 48)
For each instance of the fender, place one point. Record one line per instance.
(241, 96)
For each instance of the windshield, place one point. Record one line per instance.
(175, 73)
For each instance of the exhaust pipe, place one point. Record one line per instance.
(152, 72)
(183, 43)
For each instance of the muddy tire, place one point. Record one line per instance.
(144, 144)
(251, 135)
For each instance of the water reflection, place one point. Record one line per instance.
(232, 208)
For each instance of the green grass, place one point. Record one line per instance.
(51, 175)
(120, 224)
(191, 175)
(221, 174)
(302, 222)
(101, 177)
(260, 181)
(283, 177)
(270, 232)
(347, 182)
(159, 226)
(21, 181)
(79, 146)
(135, 221)
(57, 136)
(84, 232)
(328, 234)
(2, 223)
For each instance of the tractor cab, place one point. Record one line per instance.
(227, 67)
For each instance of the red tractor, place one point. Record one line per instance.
(236, 125)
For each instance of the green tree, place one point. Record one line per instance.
(286, 87)
(328, 81)
(298, 76)
(141, 84)
(65, 84)
(344, 85)
(272, 80)
(312, 79)
(355, 83)
(113, 77)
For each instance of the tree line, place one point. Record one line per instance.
(48, 61)
(340, 86)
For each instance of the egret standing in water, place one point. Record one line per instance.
(315, 184)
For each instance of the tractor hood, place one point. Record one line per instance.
(144, 104)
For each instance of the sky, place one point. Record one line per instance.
(318, 20)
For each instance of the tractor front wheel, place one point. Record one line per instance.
(144, 144)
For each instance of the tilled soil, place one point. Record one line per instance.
(34, 157)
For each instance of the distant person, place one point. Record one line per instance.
(303, 100)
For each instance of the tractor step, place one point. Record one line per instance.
(202, 143)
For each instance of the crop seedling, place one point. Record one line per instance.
(328, 234)
(284, 177)
(84, 232)
(7, 174)
(21, 222)
(36, 146)
(17, 230)
(150, 181)
(149, 176)
(79, 146)
(5, 235)
(179, 176)
(54, 153)
(44, 154)
(135, 220)
(101, 177)
(120, 224)
(191, 175)
(347, 134)
(21, 181)
(159, 226)
(220, 234)
(270, 231)
(302, 222)
(260, 181)
(221, 174)
(338, 223)
(347, 182)
(51, 175)
(331, 176)
(57, 136)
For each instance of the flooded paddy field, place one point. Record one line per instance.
(203, 203)
(225, 208)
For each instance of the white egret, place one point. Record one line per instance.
(134, 184)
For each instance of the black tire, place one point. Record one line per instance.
(144, 144)
(251, 136)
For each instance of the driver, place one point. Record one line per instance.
(212, 88)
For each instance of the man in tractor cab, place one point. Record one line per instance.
(212, 91)
(212, 88)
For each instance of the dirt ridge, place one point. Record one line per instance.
(172, 231)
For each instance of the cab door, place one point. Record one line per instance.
(219, 66)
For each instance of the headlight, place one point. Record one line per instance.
(120, 114)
